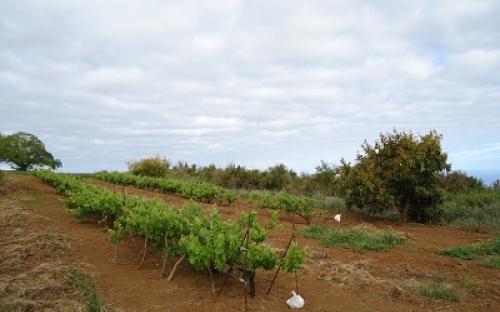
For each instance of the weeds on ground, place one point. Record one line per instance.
(439, 291)
(472, 252)
(92, 300)
(359, 237)
(492, 262)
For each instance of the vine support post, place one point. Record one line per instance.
(292, 238)
(296, 282)
(165, 256)
(144, 252)
(115, 256)
(246, 291)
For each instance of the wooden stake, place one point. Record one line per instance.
(165, 256)
(115, 257)
(284, 255)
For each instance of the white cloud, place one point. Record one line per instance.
(254, 82)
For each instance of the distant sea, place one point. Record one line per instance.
(488, 176)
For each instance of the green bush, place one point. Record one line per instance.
(151, 167)
(360, 237)
(473, 211)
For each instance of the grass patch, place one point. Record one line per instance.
(472, 252)
(439, 292)
(360, 237)
(92, 300)
(492, 262)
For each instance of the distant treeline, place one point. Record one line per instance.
(274, 178)
(323, 181)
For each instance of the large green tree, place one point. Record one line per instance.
(24, 151)
(400, 171)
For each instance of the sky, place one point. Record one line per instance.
(250, 82)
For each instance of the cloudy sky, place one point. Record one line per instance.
(250, 82)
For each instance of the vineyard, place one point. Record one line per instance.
(204, 192)
(169, 249)
(207, 242)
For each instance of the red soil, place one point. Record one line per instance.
(334, 279)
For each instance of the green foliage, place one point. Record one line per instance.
(400, 171)
(471, 252)
(24, 151)
(301, 205)
(294, 259)
(360, 237)
(458, 181)
(326, 180)
(492, 262)
(202, 192)
(439, 291)
(474, 211)
(273, 221)
(260, 256)
(206, 241)
(151, 167)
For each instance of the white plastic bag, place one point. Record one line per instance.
(295, 301)
(337, 217)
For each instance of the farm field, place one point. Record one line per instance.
(332, 278)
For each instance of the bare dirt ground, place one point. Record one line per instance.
(37, 272)
(333, 279)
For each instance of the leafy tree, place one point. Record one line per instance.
(24, 151)
(400, 171)
(458, 181)
(278, 177)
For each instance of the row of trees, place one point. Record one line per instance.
(400, 171)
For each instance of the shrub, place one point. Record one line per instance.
(398, 172)
(152, 167)
(474, 211)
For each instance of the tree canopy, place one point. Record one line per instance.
(400, 171)
(24, 151)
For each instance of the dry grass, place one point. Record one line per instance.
(33, 273)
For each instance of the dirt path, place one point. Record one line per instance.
(334, 279)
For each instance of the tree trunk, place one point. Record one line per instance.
(176, 266)
(404, 211)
